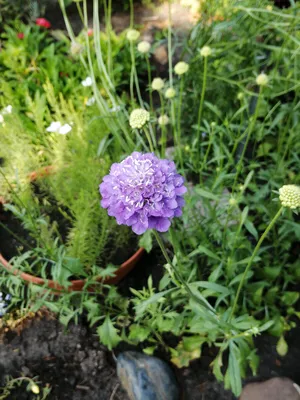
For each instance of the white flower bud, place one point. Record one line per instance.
(289, 196)
(132, 35)
(163, 120)
(157, 84)
(181, 68)
(205, 51)
(144, 47)
(138, 118)
(262, 79)
(170, 93)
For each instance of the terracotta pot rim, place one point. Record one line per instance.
(75, 285)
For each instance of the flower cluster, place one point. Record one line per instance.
(157, 84)
(181, 68)
(43, 22)
(163, 120)
(170, 93)
(87, 81)
(205, 51)
(289, 196)
(144, 47)
(262, 79)
(143, 192)
(132, 35)
(57, 127)
(138, 118)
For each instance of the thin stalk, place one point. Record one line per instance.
(176, 272)
(80, 12)
(149, 83)
(251, 127)
(107, 11)
(170, 43)
(207, 152)
(257, 247)
(131, 14)
(149, 139)
(200, 110)
(179, 121)
(134, 77)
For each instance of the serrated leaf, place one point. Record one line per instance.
(140, 308)
(138, 333)
(108, 334)
(146, 241)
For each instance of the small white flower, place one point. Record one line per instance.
(143, 47)
(57, 127)
(205, 51)
(7, 110)
(65, 129)
(269, 8)
(87, 82)
(170, 93)
(262, 79)
(138, 118)
(181, 68)
(1, 119)
(90, 101)
(115, 109)
(132, 35)
(163, 120)
(157, 84)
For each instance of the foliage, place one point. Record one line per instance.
(230, 272)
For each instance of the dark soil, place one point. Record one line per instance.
(73, 363)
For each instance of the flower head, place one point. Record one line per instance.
(289, 196)
(35, 389)
(43, 22)
(157, 84)
(269, 7)
(90, 32)
(1, 119)
(181, 68)
(143, 192)
(6, 110)
(205, 51)
(20, 35)
(132, 35)
(170, 93)
(57, 127)
(262, 79)
(163, 120)
(87, 81)
(144, 47)
(138, 118)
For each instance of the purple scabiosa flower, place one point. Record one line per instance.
(143, 192)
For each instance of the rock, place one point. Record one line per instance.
(273, 389)
(146, 378)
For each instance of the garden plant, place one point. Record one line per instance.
(101, 155)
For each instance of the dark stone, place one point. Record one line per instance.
(146, 378)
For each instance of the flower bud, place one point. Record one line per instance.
(205, 51)
(289, 196)
(181, 68)
(35, 389)
(138, 118)
(132, 35)
(144, 47)
(163, 120)
(157, 84)
(262, 79)
(170, 93)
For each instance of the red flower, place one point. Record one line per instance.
(43, 22)
(90, 32)
(20, 35)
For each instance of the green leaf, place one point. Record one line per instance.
(290, 298)
(108, 334)
(217, 364)
(214, 287)
(251, 228)
(253, 360)
(141, 308)
(138, 333)
(204, 250)
(146, 241)
(234, 369)
(206, 194)
(108, 271)
(239, 277)
(282, 347)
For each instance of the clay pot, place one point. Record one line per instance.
(75, 285)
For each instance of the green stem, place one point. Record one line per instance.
(177, 273)
(149, 83)
(251, 127)
(207, 152)
(201, 104)
(163, 127)
(134, 77)
(257, 247)
(170, 43)
(149, 139)
(131, 14)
